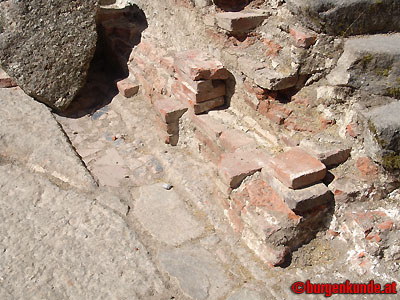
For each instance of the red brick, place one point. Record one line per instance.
(367, 167)
(296, 168)
(218, 89)
(232, 139)
(169, 109)
(198, 86)
(127, 87)
(200, 66)
(303, 38)
(206, 106)
(262, 195)
(234, 167)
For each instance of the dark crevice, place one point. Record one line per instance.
(119, 31)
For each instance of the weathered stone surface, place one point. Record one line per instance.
(239, 22)
(348, 16)
(199, 274)
(371, 64)
(47, 46)
(165, 216)
(62, 245)
(245, 293)
(169, 109)
(383, 139)
(31, 135)
(283, 77)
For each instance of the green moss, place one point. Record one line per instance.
(384, 72)
(393, 92)
(391, 161)
(381, 142)
(366, 60)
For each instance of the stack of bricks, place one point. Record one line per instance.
(200, 81)
(280, 208)
(169, 111)
(152, 68)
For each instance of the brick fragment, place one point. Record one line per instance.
(303, 38)
(367, 167)
(169, 109)
(200, 66)
(296, 168)
(127, 87)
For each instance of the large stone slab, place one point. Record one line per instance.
(348, 17)
(47, 46)
(371, 64)
(58, 244)
(383, 140)
(199, 274)
(164, 214)
(30, 135)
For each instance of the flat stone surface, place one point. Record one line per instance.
(199, 274)
(349, 17)
(246, 294)
(239, 22)
(57, 244)
(165, 216)
(30, 134)
(47, 46)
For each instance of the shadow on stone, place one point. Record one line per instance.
(119, 31)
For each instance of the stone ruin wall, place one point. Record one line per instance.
(306, 138)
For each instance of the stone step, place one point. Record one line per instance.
(370, 64)
(354, 17)
(240, 22)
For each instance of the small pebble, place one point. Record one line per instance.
(167, 186)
